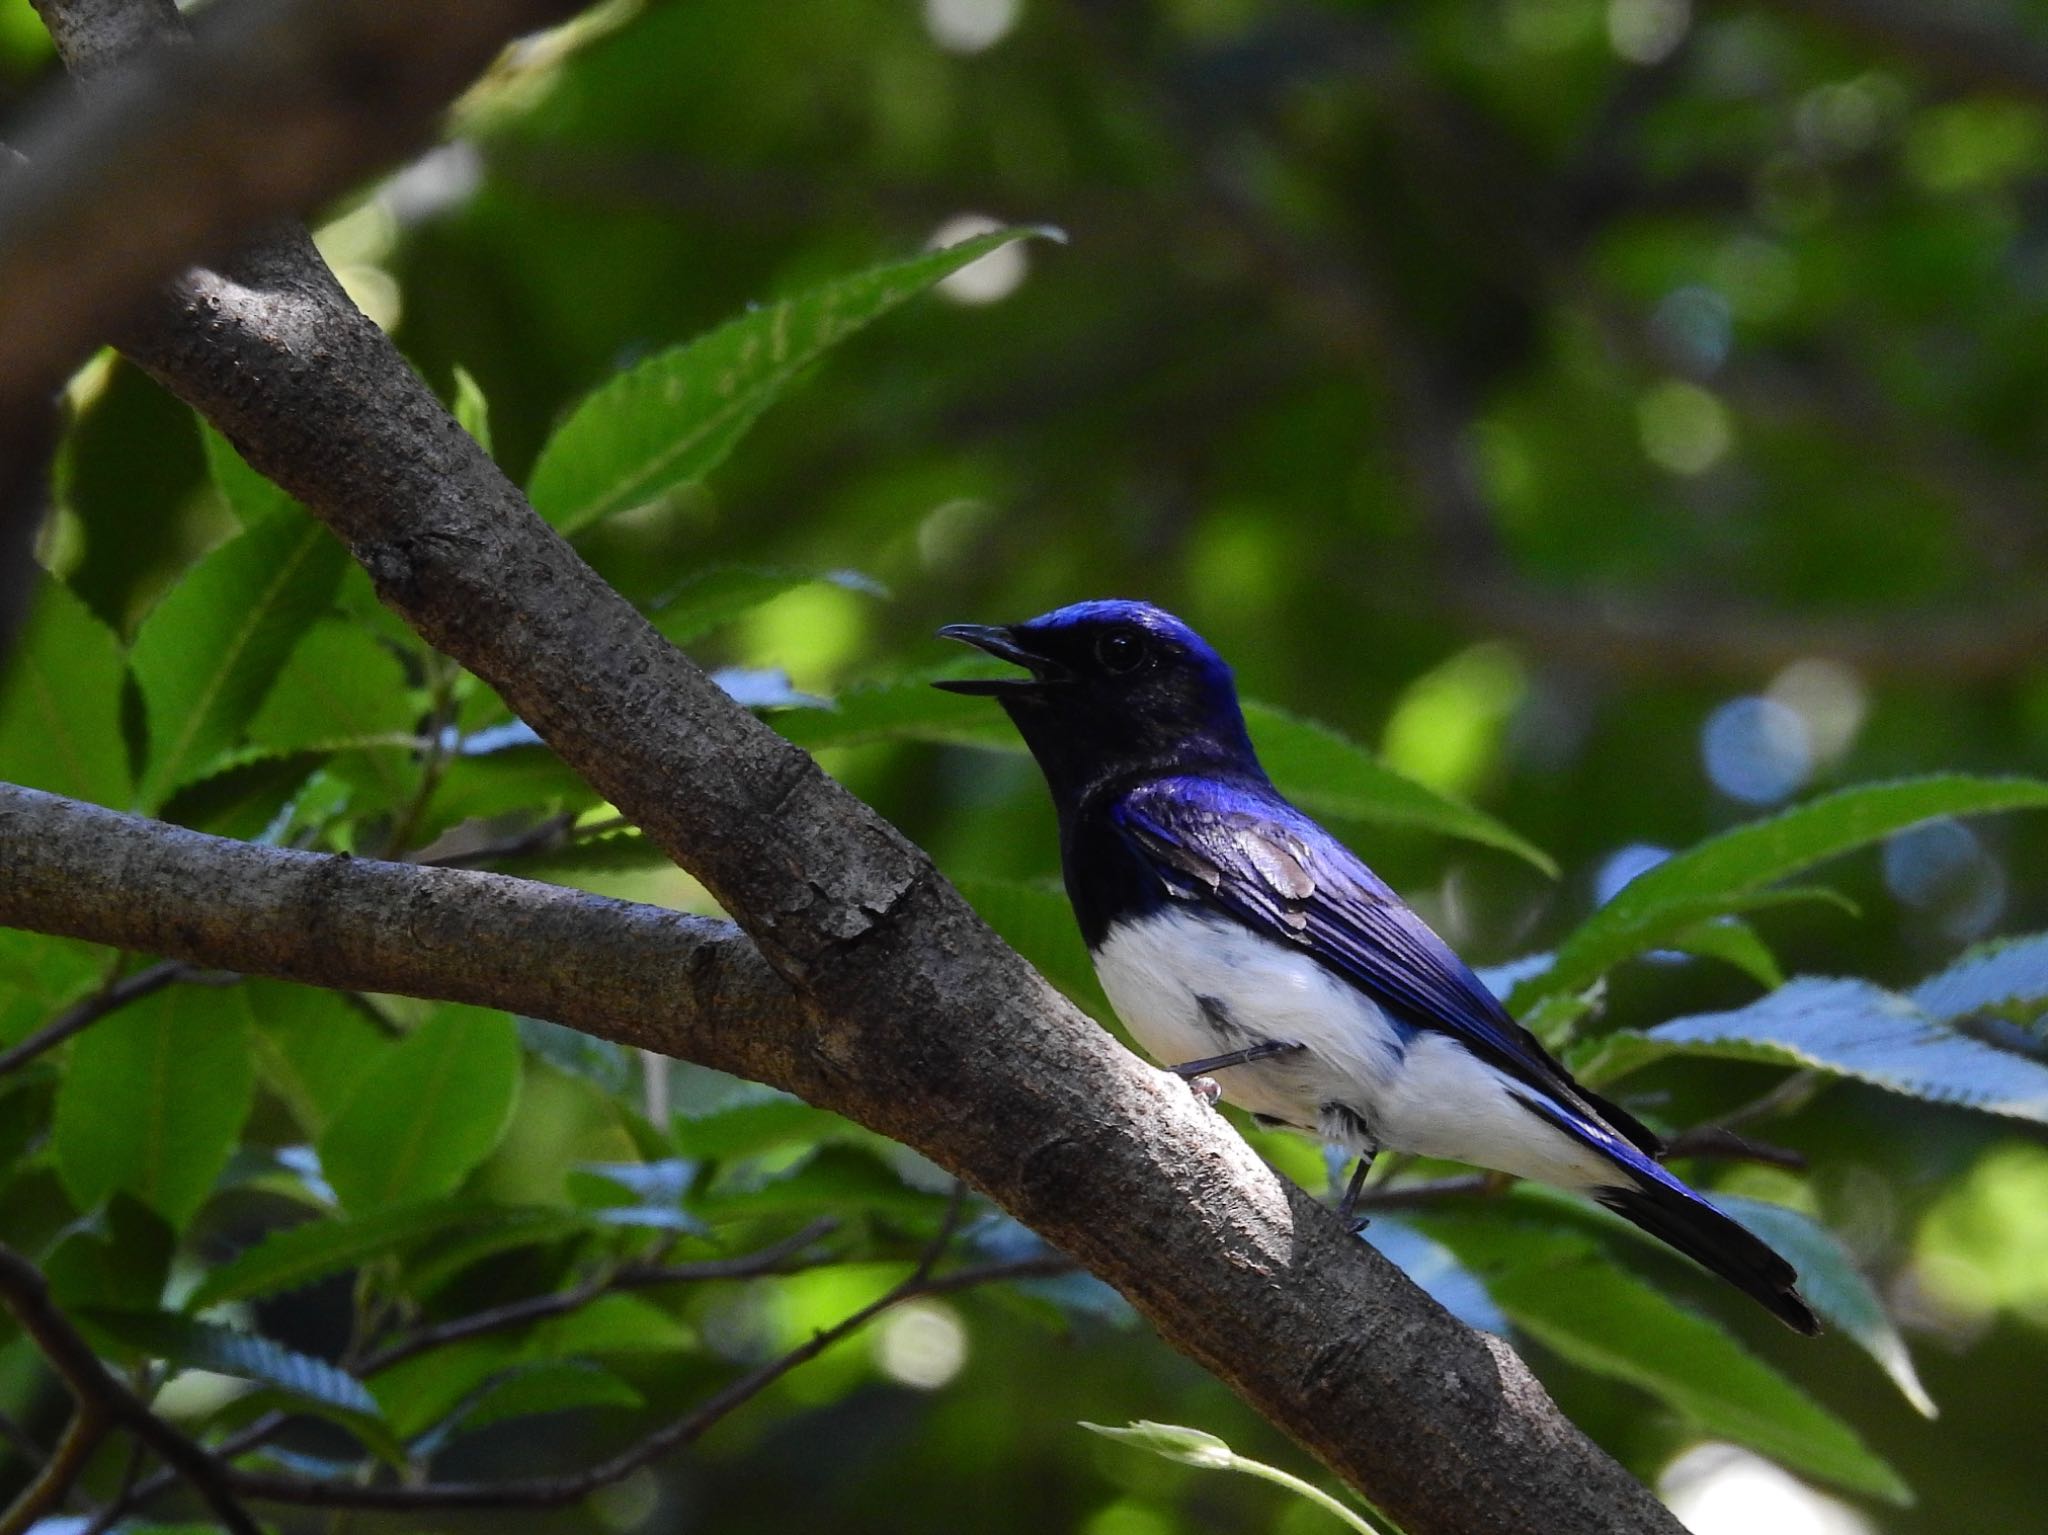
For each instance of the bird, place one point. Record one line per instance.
(1242, 944)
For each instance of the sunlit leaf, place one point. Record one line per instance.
(60, 703)
(712, 598)
(671, 419)
(208, 652)
(1714, 876)
(1328, 774)
(471, 410)
(429, 1112)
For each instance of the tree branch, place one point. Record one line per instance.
(914, 1019)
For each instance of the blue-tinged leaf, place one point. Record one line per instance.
(1851, 1029)
(672, 419)
(190, 1344)
(1833, 1285)
(1991, 978)
(1719, 875)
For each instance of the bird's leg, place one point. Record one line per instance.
(1348, 1205)
(1265, 1049)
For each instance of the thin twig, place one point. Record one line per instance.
(61, 1472)
(558, 1491)
(84, 1015)
(101, 1397)
(773, 1259)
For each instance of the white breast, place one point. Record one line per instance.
(1158, 970)
(1434, 1097)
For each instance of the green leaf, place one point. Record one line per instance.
(472, 411)
(1715, 876)
(1851, 1029)
(154, 1098)
(1733, 942)
(39, 975)
(118, 1258)
(341, 687)
(208, 653)
(1187, 1446)
(60, 703)
(670, 420)
(190, 1344)
(250, 495)
(712, 598)
(313, 1048)
(1328, 774)
(301, 1255)
(747, 1128)
(1562, 1289)
(1037, 921)
(428, 1113)
(905, 708)
(1831, 1282)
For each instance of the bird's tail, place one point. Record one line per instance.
(1673, 1213)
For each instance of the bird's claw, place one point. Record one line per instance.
(1207, 1090)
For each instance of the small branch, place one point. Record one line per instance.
(60, 1473)
(84, 1015)
(104, 1401)
(559, 1491)
(773, 1259)
(1723, 1144)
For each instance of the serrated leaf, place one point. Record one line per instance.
(208, 652)
(427, 1114)
(190, 1344)
(1990, 978)
(1328, 774)
(1835, 1287)
(712, 598)
(344, 690)
(153, 1100)
(301, 1255)
(670, 420)
(1562, 1289)
(1852, 1029)
(1714, 876)
(60, 703)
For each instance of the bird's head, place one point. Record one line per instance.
(1114, 687)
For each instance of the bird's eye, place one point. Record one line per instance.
(1120, 651)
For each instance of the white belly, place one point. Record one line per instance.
(1431, 1096)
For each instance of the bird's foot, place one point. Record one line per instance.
(1347, 1207)
(1207, 1090)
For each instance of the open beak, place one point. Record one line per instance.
(1002, 643)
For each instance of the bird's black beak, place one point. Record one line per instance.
(1002, 643)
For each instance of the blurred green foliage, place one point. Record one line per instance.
(1588, 425)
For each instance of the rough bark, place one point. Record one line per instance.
(915, 1019)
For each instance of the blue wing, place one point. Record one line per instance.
(1241, 849)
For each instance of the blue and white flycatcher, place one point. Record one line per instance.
(1234, 935)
